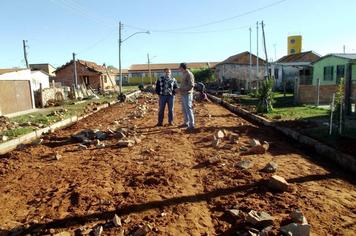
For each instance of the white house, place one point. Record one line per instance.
(39, 77)
(16, 92)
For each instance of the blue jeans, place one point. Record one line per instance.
(163, 100)
(187, 107)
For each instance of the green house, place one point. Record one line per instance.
(327, 72)
(330, 68)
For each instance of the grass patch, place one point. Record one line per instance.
(17, 132)
(298, 112)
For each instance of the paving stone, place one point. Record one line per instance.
(271, 167)
(295, 229)
(278, 183)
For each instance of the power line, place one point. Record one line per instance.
(217, 21)
(205, 31)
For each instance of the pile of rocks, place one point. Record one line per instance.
(6, 124)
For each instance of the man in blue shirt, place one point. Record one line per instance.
(165, 87)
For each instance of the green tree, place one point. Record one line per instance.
(203, 75)
(265, 97)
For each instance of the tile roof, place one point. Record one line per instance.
(308, 56)
(243, 59)
(350, 56)
(92, 66)
(172, 66)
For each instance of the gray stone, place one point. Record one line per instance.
(117, 221)
(125, 143)
(295, 229)
(220, 134)
(234, 212)
(82, 147)
(278, 183)
(298, 217)
(244, 164)
(271, 167)
(142, 231)
(98, 230)
(254, 142)
(261, 218)
(216, 143)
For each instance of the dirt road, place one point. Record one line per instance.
(172, 181)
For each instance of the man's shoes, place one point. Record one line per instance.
(190, 129)
(159, 124)
(183, 126)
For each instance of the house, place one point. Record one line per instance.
(137, 72)
(235, 70)
(45, 67)
(39, 78)
(290, 67)
(89, 74)
(327, 73)
(16, 91)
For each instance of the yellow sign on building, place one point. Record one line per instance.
(294, 44)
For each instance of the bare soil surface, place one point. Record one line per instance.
(173, 182)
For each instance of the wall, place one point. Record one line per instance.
(308, 93)
(318, 71)
(49, 94)
(38, 78)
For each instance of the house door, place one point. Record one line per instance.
(15, 96)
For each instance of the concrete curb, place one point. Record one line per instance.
(12, 144)
(346, 161)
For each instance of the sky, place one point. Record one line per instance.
(180, 31)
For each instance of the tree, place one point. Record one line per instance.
(203, 75)
(265, 97)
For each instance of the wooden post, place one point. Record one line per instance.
(331, 114)
(317, 91)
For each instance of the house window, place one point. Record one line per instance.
(292, 41)
(340, 73)
(328, 73)
(292, 51)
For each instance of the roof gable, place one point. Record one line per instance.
(308, 56)
(243, 59)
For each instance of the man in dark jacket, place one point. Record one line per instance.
(165, 87)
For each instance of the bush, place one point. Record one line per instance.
(203, 75)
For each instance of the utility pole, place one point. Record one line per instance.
(250, 71)
(264, 45)
(257, 61)
(75, 71)
(344, 49)
(120, 69)
(25, 51)
(149, 67)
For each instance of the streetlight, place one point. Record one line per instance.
(120, 42)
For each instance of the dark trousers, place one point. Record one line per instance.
(163, 100)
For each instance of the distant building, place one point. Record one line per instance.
(294, 44)
(90, 74)
(293, 66)
(45, 67)
(328, 71)
(235, 70)
(142, 70)
(16, 91)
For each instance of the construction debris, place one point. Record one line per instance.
(259, 218)
(6, 124)
(295, 229)
(278, 183)
(271, 167)
(125, 143)
(244, 164)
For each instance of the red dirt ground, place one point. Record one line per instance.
(166, 181)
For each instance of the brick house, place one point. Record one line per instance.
(235, 70)
(89, 74)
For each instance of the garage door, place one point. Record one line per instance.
(15, 96)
